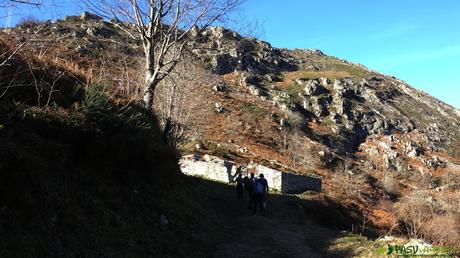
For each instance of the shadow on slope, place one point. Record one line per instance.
(80, 183)
(94, 181)
(293, 227)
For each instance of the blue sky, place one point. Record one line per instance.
(417, 41)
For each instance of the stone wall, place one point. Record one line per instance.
(292, 183)
(216, 169)
(288, 182)
(274, 177)
(211, 168)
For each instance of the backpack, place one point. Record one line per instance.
(239, 182)
(249, 184)
(260, 187)
(246, 181)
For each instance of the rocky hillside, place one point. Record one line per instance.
(374, 140)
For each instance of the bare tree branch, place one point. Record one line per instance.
(14, 53)
(9, 3)
(4, 62)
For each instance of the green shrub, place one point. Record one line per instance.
(254, 111)
(96, 101)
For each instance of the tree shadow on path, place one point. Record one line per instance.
(292, 227)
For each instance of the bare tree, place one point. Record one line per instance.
(414, 211)
(180, 99)
(164, 28)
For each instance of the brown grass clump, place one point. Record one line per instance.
(36, 80)
(443, 230)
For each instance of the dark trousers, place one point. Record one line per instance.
(251, 201)
(239, 193)
(259, 202)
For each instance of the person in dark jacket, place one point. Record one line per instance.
(239, 187)
(249, 186)
(260, 194)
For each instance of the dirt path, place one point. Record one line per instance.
(278, 234)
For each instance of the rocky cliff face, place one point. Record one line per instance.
(350, 101)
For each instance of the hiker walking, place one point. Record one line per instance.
(260, 194)
(239, 187)
(249, 186)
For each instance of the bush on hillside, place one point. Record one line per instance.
(28, 21)
(349, 184)
(414, 210)
(96, 101)
(127, 117)
(451, 180)
(443, 230)
(391, 185)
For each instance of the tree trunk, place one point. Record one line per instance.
(148, 96)
(151, 81)
(167, 132)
